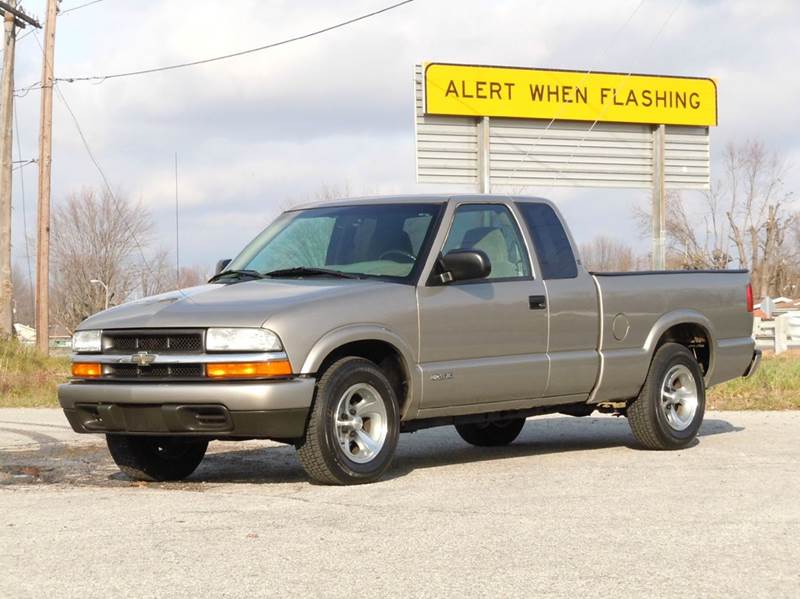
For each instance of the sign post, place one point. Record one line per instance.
(659, 214)
(490, 126)
(484, 149)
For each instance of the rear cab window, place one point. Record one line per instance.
(553, 248)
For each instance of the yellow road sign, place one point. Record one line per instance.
(466, 90)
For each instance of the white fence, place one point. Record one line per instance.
(779, 334)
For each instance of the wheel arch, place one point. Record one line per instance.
(380, 345)
(689, 328)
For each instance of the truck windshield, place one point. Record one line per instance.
(370, 240)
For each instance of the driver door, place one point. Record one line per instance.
(484, 341)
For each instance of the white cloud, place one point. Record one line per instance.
(257, 131)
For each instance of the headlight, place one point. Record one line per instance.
(242, 340)
(86, 341)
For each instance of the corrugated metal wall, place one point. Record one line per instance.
(687, 158)
(447, 147)
(525, 152)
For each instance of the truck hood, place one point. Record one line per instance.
(245, 304)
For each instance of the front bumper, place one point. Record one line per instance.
(273, 410)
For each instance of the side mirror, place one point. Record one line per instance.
(221, 264)
(465, 265)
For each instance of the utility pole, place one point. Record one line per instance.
(45, 160)
(12, 18)
(6, 115)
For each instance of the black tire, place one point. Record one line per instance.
(649, 423)
(491, 434)
(156, 458)
(321, 455)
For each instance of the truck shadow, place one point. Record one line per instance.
(441, 447)
(49, 461)
(34, 436)
(539, 437)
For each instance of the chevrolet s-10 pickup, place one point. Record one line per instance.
(346, 323)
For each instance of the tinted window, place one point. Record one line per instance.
(551, 242)
(490, 228)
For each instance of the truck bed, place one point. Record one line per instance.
(638, 307)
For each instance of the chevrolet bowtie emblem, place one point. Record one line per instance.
(143, 358)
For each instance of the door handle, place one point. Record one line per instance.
(537, 302)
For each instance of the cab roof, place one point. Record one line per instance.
(427, 198)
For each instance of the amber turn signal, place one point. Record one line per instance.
(232, 370)
(87, 370)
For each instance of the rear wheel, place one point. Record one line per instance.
(491, 434)
(156, 458)
(670, 407)
(354, 426)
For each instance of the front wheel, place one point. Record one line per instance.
(353, 427)
(491, 434)
(156, 458)
(669, 410)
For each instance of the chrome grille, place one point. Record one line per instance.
(179, 341)
(172, 371)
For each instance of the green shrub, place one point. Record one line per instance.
(28, 378)
(775, 386)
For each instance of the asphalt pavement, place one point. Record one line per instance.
(571, 509)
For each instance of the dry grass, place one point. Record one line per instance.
(775, 386)
(27, 378)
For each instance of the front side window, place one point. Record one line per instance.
(369, 240)
(491, 229)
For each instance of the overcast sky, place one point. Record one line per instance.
(258, 132)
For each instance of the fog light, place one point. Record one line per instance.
(87, 370)
(230, 370)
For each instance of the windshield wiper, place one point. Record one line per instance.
(305, 271)
(238, 274)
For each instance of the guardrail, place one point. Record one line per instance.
(780, 334)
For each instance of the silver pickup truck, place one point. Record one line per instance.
(344, 324)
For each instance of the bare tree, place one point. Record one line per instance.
(161, 275)
(96, 235)
(325, 193)
(756, 211)
(608, 254)
(191, 276)
(22, 296)
(745, 220)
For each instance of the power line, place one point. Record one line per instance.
(22, 163)
(24, 35)
(290, 40)
(21, 92)
(614, 38)
(102, 173)
(597, 120)
(80, 6)
(98, 167)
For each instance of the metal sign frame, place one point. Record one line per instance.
(490, 152)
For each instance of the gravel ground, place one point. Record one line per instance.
(571, 509)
